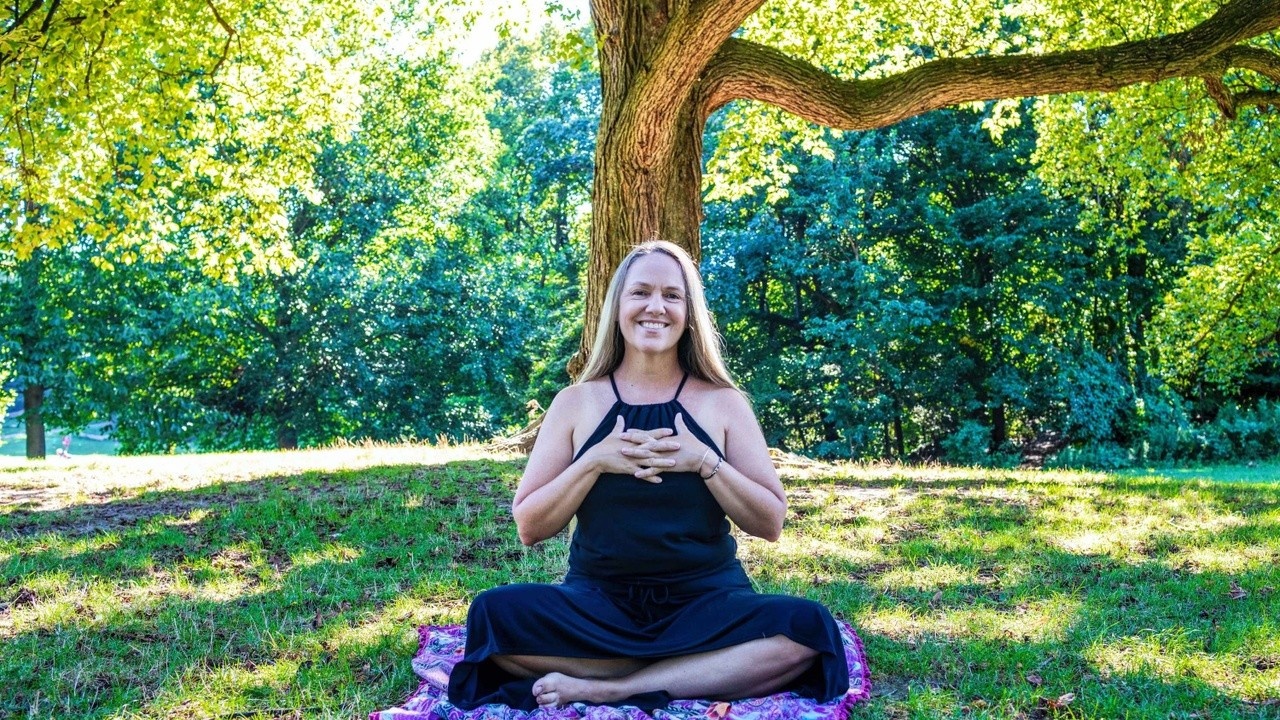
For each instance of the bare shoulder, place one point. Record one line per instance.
(590, 395)
(577, 409)
(713, 401)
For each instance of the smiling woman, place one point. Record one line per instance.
(652, 307)
(655, 605)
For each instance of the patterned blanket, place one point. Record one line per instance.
(440, 647)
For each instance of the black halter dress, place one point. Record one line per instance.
(653, 573)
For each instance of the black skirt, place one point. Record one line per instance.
(590, 618)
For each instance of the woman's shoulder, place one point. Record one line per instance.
(584, 397)
(704, 398)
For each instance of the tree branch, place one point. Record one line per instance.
(687, 44)
(746, 70)
(48, 17)
(1263, 62)
(1257, 98)
(22, 18)
(231, 35)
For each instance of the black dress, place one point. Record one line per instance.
(653, 573)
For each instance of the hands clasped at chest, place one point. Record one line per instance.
(646, 453)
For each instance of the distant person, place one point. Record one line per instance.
(65, 450)
(654, 450)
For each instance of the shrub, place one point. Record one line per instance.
(1092, 456)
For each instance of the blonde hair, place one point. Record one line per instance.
(699, 349)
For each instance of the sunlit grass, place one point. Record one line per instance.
(290, 584)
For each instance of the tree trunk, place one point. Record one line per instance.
(633, 204)
(999, 427)
(33, 398)
(29, 333)
(653, 110)
(286, 437)
(899, 442)
(1138, 289)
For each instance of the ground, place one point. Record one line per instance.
(289, 584)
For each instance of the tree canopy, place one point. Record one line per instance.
(114, 103)
(319, 225)
(667, 66)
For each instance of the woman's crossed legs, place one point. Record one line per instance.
(752, 669)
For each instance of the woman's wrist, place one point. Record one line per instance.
(714, 469)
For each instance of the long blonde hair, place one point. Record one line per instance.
(699, 348)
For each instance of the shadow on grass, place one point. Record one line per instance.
(285, 592)
(972, 606)
(301, 592)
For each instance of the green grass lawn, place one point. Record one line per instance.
(278, 585)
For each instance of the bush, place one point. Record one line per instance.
(970, 444)
(1236, 434)
(1166, 428)
(1097, 399)
(1252, 434)
(1092, 456)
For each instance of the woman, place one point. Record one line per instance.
(654, 451)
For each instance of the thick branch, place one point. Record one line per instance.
(687, 44)
(1256, 98)
(1263, 62)
(745, 70)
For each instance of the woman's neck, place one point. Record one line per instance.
(649, 377)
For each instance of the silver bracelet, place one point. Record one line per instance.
(714, 470)
(703, 461)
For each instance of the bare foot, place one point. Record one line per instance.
(558, 689)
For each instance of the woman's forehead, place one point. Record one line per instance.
(655, 269)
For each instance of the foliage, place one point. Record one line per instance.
(928, 285)
(243, 584)
(438, 226)
(1168, 161)
(118, 104)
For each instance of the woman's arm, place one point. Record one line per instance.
(746, 484)
(554, 484)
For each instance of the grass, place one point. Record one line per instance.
(277, 585)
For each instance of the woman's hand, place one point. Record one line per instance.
(691, 455)
(640, 453)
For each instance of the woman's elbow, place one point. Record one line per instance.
(769, 529)
(526, 532)
(772, 529)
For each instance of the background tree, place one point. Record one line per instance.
(115, 106)
(438, 235)
(923, 293)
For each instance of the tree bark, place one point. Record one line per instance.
(29, 333)
(33, 418)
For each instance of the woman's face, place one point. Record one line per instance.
(652, 313)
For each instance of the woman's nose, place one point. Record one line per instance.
(655, 304)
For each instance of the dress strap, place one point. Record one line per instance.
(617, 396)
(678, 389)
